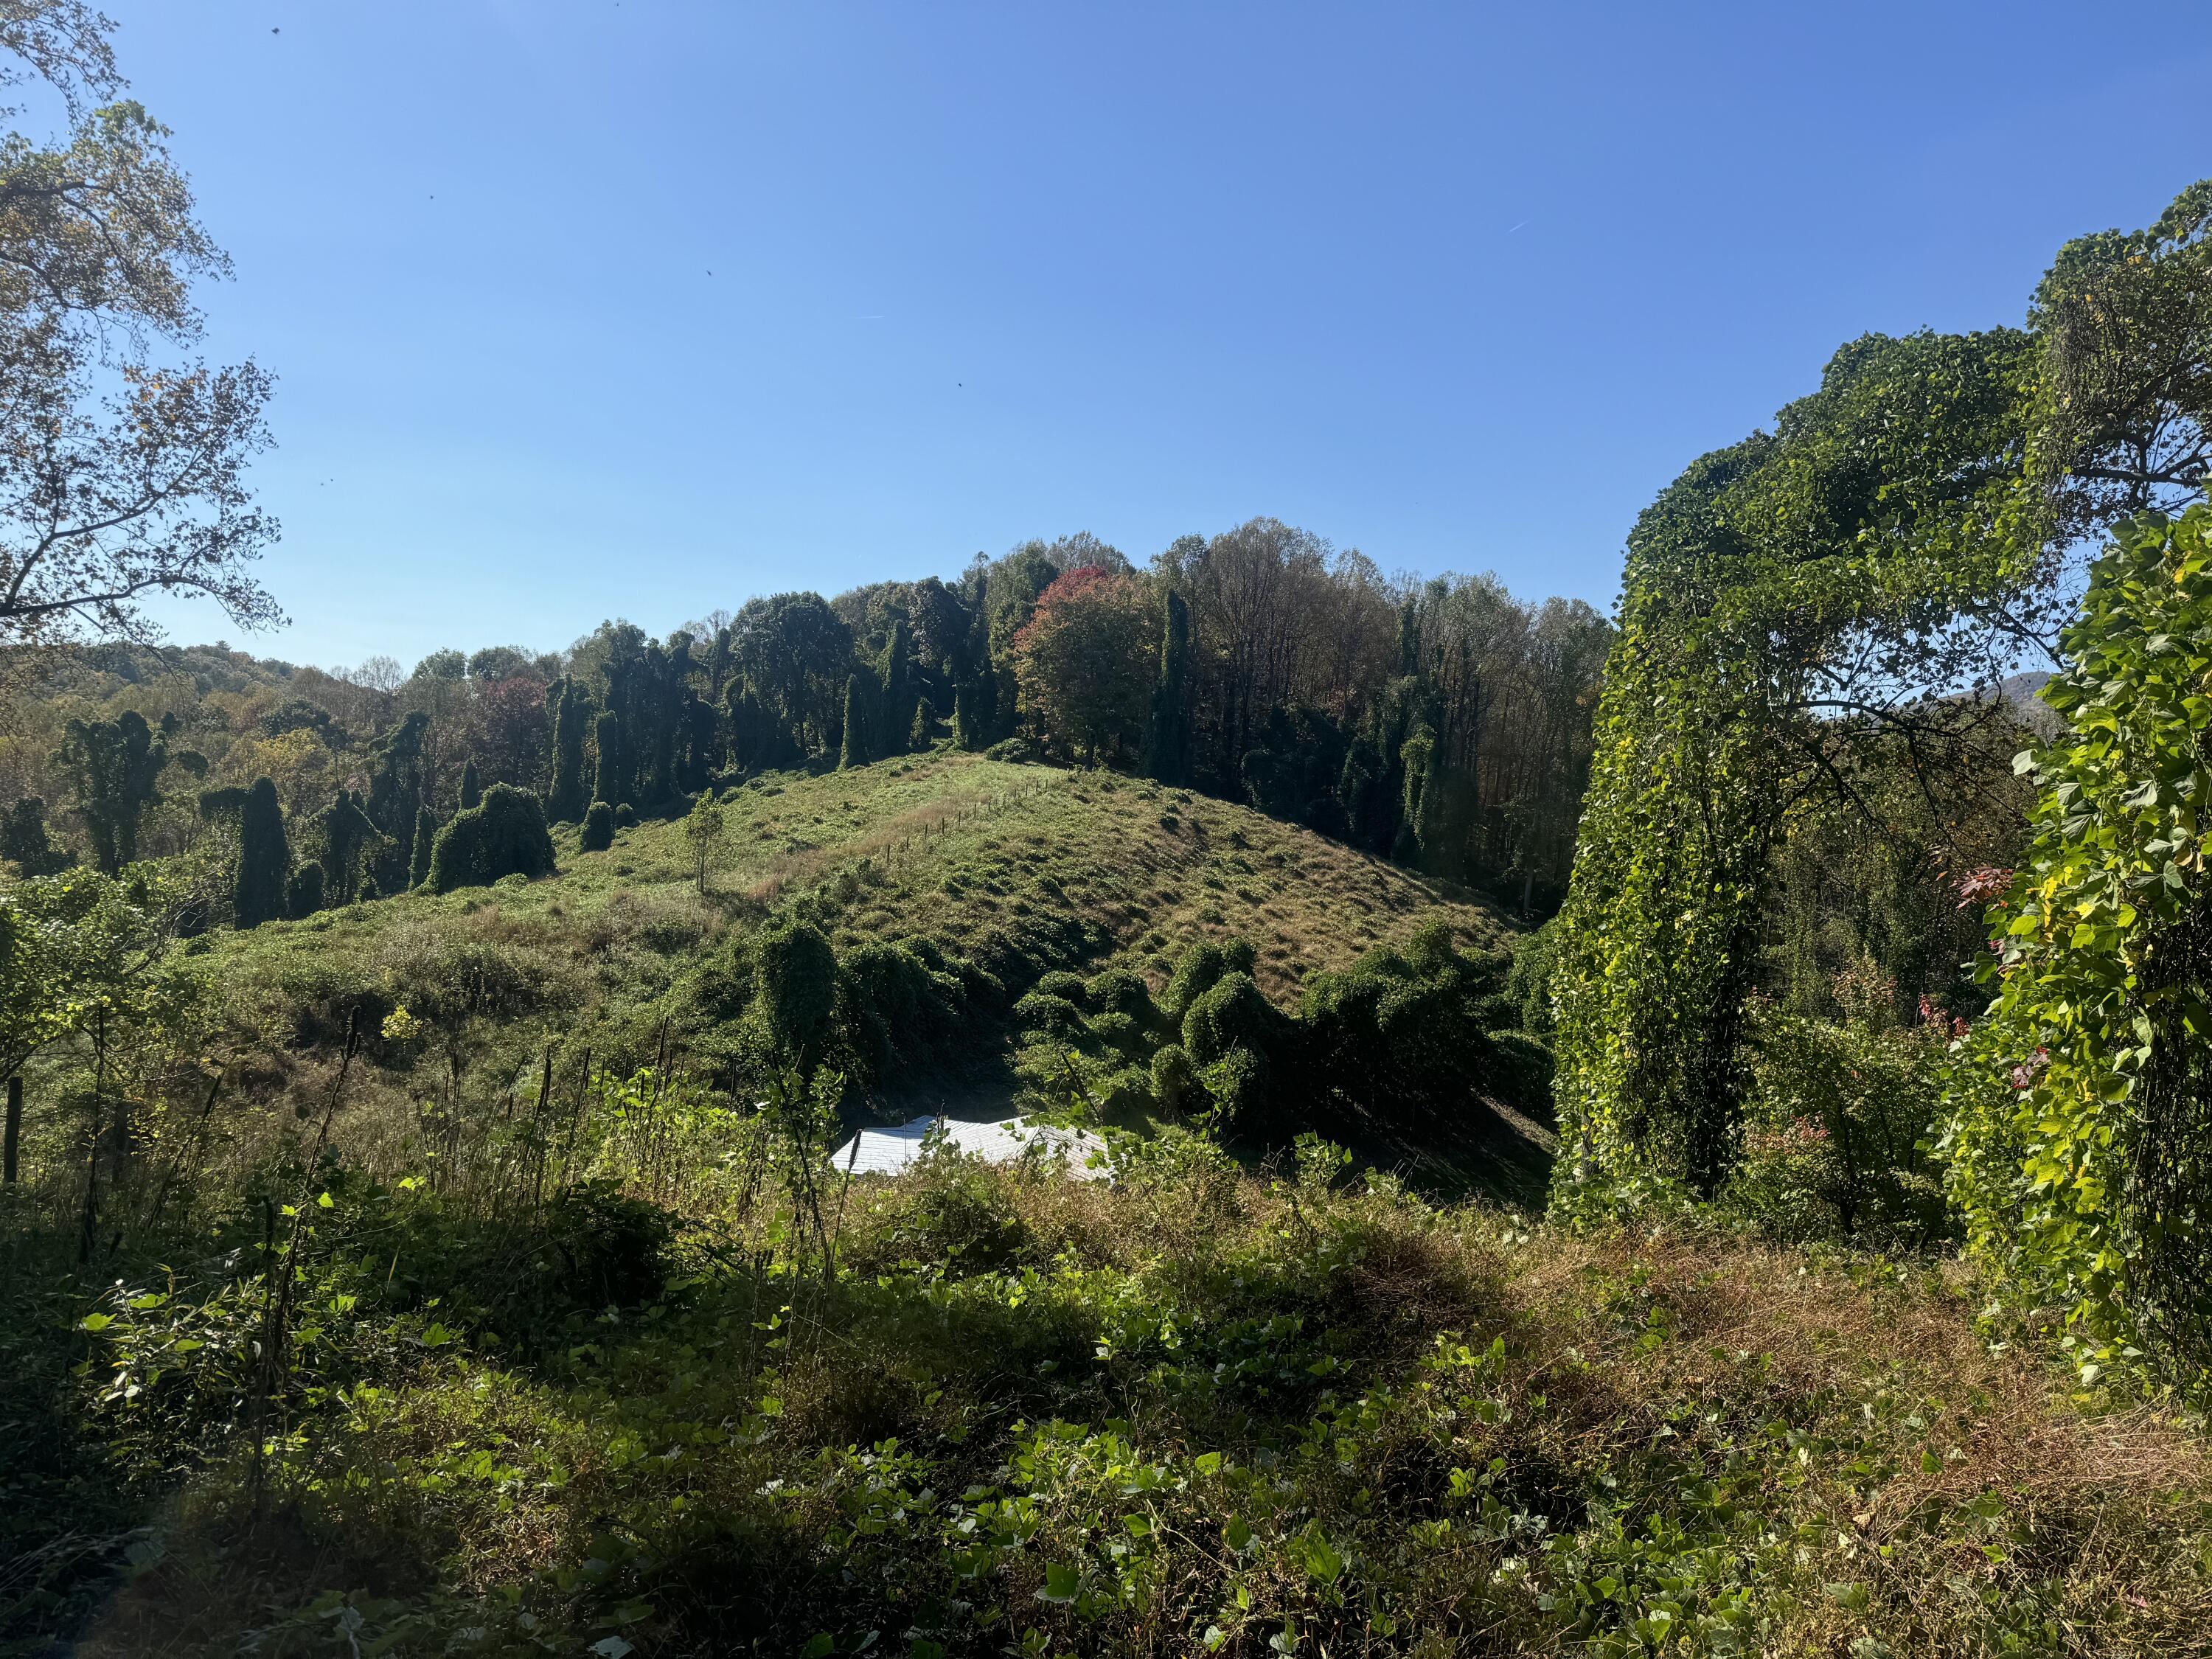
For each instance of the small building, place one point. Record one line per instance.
(1078, 1153)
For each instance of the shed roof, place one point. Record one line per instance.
(889, 1151)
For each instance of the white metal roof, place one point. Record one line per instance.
(889, 1151)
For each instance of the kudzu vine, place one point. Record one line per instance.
(2080, 1141)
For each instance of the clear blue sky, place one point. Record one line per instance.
(1460, 285)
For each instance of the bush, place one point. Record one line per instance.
(900, 1002)
(1118, 991)
(1050, 1016)
(1836, 1125)
(598, 832)
(1202, 965)
(625, 815)
(1175, 1083)
(1528, 986)
(504, 834)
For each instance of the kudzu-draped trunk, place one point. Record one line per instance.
(265, 858)
(569, 794)
(1659, 937)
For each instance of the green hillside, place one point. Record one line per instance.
(1017, 872)
(979, 855)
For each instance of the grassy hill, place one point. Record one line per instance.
(578, 1355)
(1022, 871)
(966, 850)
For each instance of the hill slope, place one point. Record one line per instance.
(1019, 870)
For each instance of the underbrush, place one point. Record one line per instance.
(1190, 1411)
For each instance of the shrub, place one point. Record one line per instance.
(1067, 987)
(1202, 965)
(598, 832)
(1837, 1124)
(1175, 1083)
(1119, 991)
(1050, 1016)
(504, 835)
(625, 815)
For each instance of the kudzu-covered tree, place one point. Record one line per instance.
(894, 710)
(472, 787)
(2080, 1148)
(606, 777)
(571, 710)
(698, 743)
(426, 838)
(24, 842)
(504, 834)
(599, 832)
(399, 786)
(114, 771)
(346, 834)
(854, 750)
(966, 733)
(304, 895)
(265, 858)
(1167, 732)
(259, 888)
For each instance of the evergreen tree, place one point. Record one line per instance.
(606, 779)
(504, 835)
(23, 839)
(1166, 734)
(598, 832)
(854, 751)
(471, 790)
(426, 836)
(304, 897)
(570, 708)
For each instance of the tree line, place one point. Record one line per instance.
(1444, 723)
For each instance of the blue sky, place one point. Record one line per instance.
(1459, 285)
